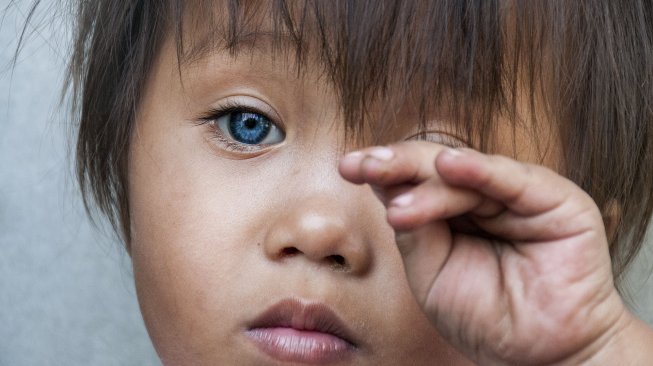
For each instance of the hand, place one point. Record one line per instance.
(508, 260)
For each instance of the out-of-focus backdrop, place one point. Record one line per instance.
(66, 290)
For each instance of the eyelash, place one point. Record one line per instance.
(210, 118)
(443, 138)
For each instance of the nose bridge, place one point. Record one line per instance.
(324, 222)
(318, 182)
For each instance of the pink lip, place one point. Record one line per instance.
(294, 331)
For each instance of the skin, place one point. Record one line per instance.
(210, 228)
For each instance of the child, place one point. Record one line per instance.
(302, 182)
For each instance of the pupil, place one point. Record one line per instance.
(250, 123)
(248, 127)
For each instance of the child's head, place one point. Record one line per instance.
(211, 133)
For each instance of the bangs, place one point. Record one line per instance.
(439, 58)
(582, 69)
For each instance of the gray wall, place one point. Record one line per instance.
(66, 292)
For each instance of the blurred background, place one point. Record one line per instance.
(66, 290)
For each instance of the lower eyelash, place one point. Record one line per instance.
(229, 144)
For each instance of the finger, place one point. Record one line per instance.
(401, 163)
(523, 188)
(549, 225)
(388, 193)
(430, 201)
(540, 203)
(423, 261)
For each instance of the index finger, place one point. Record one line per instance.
(401, 163)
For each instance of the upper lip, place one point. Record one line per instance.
(301, 315)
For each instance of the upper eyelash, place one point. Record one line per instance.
(231, 107)
(455, 140)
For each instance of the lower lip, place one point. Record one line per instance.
(304, 346)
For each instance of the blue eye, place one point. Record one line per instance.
(249, 128)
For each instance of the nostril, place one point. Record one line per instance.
(335, 260)
(289, 251)
(338, 259)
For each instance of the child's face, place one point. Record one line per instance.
(224, 234)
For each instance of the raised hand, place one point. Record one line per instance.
(508, 260)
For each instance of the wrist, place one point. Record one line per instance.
(628, 342)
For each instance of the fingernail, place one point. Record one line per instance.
(403, 200)
(354, 155)
(455, 153)
(382, 153)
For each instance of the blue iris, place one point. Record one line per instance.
(248, 127)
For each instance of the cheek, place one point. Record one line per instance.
(187, 245)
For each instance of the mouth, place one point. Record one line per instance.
(296, 331)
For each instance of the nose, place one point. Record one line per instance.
(324, 231)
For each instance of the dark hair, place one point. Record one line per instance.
(588, 63)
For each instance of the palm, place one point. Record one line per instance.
(508, 301)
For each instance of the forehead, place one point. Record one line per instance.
(272, 27)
